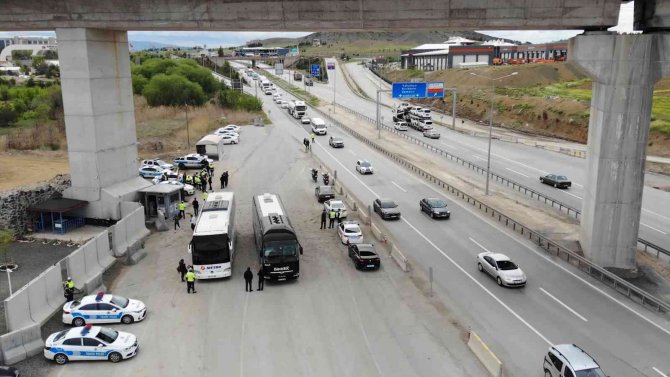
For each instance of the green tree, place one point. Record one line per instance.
(6, 238)
(53, 71)
(24, 69)
(8, 115)
(21, 54)
(173, 90)
(51, 54)
(220, 52)
(155, 66)
(139, 82)
(194, 73)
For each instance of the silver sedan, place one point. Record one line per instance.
(501, 268)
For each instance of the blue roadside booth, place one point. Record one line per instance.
(58, 215)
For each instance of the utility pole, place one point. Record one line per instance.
(188, 134)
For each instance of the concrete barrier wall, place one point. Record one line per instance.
(105, 257)
(399, 258)
(135, 228)
(377, 232)
(17, 310)
(53, 278)
(490, 361)
(32, 340)
(119, 239)
(351, 203)
(40, 310)
(11, 346)
(76, 267)
(94, 271)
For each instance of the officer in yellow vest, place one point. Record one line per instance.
(182, 209)
(197, 181)
(190, 281)
(68, 286)
(331, 216)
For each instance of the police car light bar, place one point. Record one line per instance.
(99, 296)
(86, 329)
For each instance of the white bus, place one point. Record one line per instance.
(213, 244)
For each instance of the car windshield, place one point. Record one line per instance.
(325, 190)
(336, 140)
(365, 253)
(562, 178)
(60, 335)
(275, 249)
(506, 265)
(119, 301)
(353, 229)
(595, 372)
(388, 204)
(161, 162)
(437, 203)
(107, 335)
(336, 205)
(365, 164)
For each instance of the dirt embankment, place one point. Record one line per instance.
(542, 99)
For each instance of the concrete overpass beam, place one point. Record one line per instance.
(624, 69)
(99, 118)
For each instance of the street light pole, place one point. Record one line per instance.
(493, 93)
(334, 81)
(188, 134)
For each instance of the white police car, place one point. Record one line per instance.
(90, 343)
(103, 308)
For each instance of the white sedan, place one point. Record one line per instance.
(349, 233)
(283, 104)
(337, 206)
(188, 189)
(232, 127)
(103, 308)
(90, 343)
(230, 138)
(305, 120)
(501, 268)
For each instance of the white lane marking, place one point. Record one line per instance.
(449, 145)
(564, 305)
(481, 158)
(576, 196)
(398, 186)
(244, 325)
(657, 214)
(536, 252)
(505, 158)
(651, 227)
(577, 184)
(659, 372)
(352, 152)
(514, 171)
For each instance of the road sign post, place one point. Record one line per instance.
(331, 67)
(315, 70)
(417, 90)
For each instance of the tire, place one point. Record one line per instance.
(480, 267)
(547, 373)
(115, 357)
(61, 359)
(432, 215)
(554, 185)
(127, 319)
(182, 166)
(78, 322)
(499, 281)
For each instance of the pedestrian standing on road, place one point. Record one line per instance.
(248, 278)
(181, 268)
(225, 174)
(331, 217)
(261, 278)
(210, 170)
(196, 206)
(176, 222)
(223, 180)
(324, 215)
(312, 136)
(190, 280)
(337, 216)
(196, 181)
(182, 209)
(68, 287)
(193, 223)
(209, 179)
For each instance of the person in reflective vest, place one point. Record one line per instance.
(68, 286)
(197, 181)
(331, 216)
(190, 281)
(182, 209)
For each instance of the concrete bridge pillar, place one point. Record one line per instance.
(99, 119)
(624, 69)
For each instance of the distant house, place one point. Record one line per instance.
(316, 42)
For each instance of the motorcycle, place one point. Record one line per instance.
(315, 175)
(326, 179)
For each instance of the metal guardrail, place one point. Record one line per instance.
(620, 285)
(515, 185)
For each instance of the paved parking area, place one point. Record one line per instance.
(333, 321)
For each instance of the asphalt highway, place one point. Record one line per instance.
(519, 162)
(559, 305)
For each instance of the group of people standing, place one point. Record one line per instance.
(331, 215)
(188, 275)
(199, 180)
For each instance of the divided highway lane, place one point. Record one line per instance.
(559, 304)
(521, 163)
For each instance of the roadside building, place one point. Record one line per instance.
(27, 43)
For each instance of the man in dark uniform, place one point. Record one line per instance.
(324, 215)
(223, 180)
(261, 278)
(248, 278)
(209, 179)
(196, 205)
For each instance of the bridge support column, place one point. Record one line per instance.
(624, 69)
(99, 119)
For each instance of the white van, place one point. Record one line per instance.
(318, 126)
(277, 97)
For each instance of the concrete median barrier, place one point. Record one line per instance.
(490, 361)
(40, 310)
(93, 281)
(11, 346)
(32, 340)
(54, 282)
(105, 258)
(399, 258)
(365, 218)
(351, 203)
(119, 240)
(17, 310)
(76, 267)
(377, 232)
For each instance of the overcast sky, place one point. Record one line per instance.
(215, 39)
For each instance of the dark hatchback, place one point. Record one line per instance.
(435, 207)
(324, 193)
(556, 180)
(364, 256)
(386, 208)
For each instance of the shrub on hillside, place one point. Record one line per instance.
(173, 90)
(233, 99)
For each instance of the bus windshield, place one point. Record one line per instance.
(278, 249)
(210, 249)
